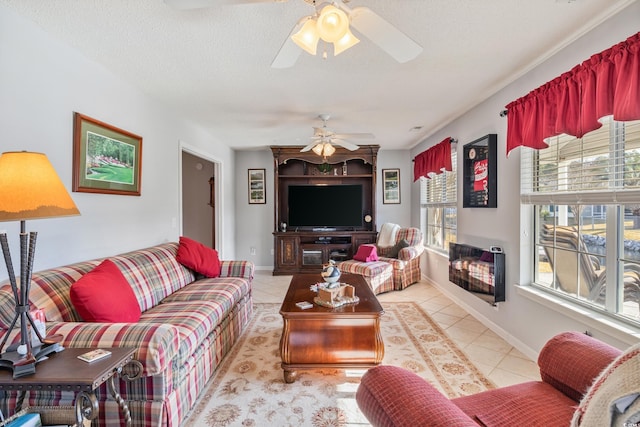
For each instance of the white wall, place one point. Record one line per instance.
(254, 223)
(42, 82)
(522, 321)
(396, 213)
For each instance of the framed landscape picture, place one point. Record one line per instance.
(391, 186)
(257, 190)
(105, 159)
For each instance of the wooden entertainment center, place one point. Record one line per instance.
(306, 250)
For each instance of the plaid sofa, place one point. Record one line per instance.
(188, 325)
(569, 365)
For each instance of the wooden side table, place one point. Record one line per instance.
(65, 372)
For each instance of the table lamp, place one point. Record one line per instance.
(29, 189)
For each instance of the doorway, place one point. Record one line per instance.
(199, 199)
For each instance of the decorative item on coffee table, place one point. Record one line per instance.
(332, 293)
(336, 296)
(330, 272)
(30, 189)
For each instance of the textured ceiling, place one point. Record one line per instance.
(213, 64)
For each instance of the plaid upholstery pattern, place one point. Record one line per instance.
(533, 403)
(406, 268)
(390, 396)
(157, 344)
(49, 291)
(153, 273)
(405, 273)
(569, 363)
(240, 269)
(185, 330)
(379, 275)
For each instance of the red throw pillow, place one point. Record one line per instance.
(198, 257)
(104, 295)
(366, 253)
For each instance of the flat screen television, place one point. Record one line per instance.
(325, 206)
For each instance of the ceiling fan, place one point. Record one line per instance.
(332, 23)
(324, 139)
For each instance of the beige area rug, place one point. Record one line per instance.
(248, 388)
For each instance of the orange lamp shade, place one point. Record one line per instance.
(30, 188)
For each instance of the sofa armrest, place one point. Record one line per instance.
(571, 361)
(242, 269)
(410, 252)
(156, 344)
(390, 396)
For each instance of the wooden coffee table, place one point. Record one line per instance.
(321, 337)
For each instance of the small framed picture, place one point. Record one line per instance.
(391, 186)
(257, 190)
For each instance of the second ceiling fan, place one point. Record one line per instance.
(324, 139)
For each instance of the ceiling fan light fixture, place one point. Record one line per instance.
(332, 24)
(346, 42)
(329, 149)
(324, 149)
(307, 37)
(318, 149)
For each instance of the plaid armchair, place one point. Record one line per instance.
(405, 262)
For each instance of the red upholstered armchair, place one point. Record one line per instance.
(569, 363)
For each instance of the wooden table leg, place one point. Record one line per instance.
(289, 375)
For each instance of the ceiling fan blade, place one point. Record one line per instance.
(354, 135)
(309, 147)
(190, 4)
(200, 4)
(289, 51)
(386, 36)
(349, 146)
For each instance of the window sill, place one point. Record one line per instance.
(436, 250)
(593, 319)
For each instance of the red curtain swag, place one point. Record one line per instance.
(606, 84)
(436, 159)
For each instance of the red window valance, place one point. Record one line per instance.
(606, 84)
(436, 159)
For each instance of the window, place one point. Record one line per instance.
(438, 200)
(585, 193)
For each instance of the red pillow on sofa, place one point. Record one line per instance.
(366, 253)
(198, 257)
(104, 295)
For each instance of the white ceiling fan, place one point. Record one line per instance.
(331, 22)
(324, 139)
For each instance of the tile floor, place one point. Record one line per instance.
(500, 361)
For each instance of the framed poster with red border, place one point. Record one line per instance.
(480, 169)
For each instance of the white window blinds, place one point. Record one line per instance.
(603, 167)
(440, 189)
